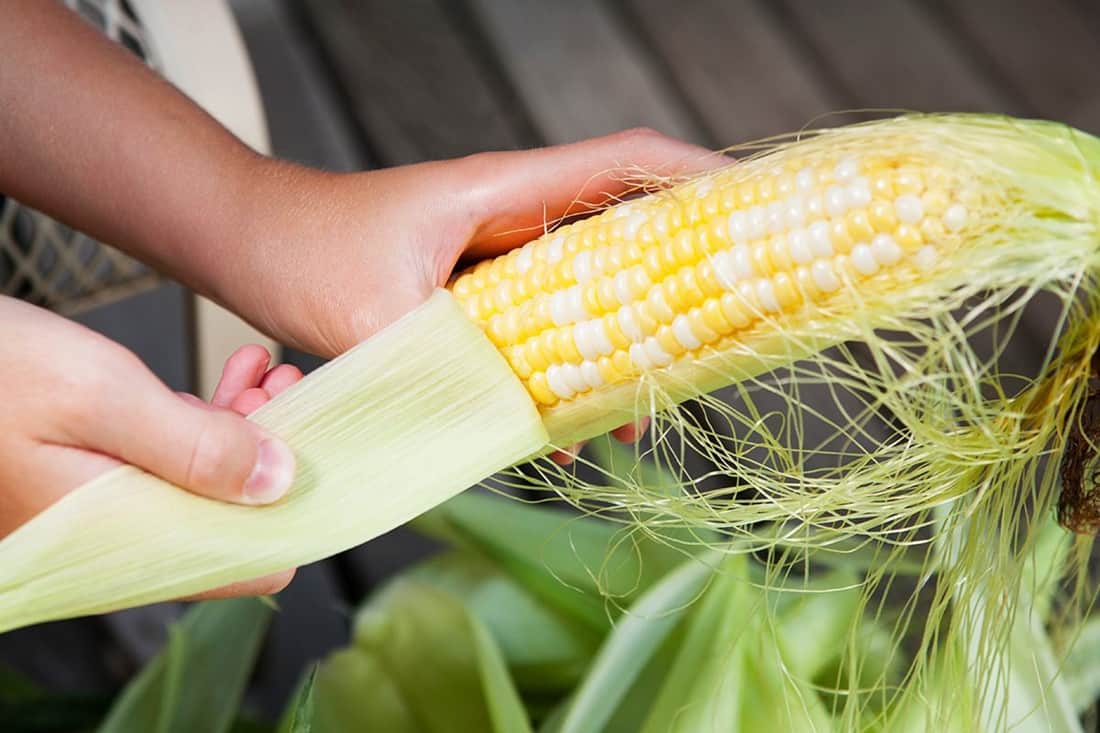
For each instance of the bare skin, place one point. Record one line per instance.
(320, 261)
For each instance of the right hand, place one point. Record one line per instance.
(78, 405)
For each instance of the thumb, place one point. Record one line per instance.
(206, 450)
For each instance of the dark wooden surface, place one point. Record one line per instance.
(365, 83)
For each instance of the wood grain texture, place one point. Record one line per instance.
(735, 64)
(413, 84)
(579, 71)
(894, 55)
(1047, 50)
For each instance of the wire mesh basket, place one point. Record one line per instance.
(49, 264)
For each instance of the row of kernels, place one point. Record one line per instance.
(718, 317)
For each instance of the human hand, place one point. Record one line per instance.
(318, 260)
(332, 258)
(328, 259)
(77, 405)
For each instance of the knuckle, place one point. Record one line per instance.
(209, 464)
(641, 134)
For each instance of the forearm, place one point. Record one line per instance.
(89, 135)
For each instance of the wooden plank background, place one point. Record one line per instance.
(363, 83)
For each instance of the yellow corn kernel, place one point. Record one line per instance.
(615, 332)
(714, 317)
(565, 347)
(540, 389)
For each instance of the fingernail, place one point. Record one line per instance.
(273, 473)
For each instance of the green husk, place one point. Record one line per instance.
(298, 716)
(421, 662)
(197, 680)
(546, 651)
(409, 418)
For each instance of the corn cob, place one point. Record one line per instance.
(644, 305)
(656, 286)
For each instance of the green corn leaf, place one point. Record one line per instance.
(580, 566)
(774, 696)
(815, 627)
(546, 651)
(355, 692)
(196, 682)
(637, 637)
(703, 687)
(1081, 668)
(298, 717)
(437, 665)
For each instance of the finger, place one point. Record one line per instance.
(250, 400)
(632, 432)
(265, 586)
(527, 189)
(567, 456)
(244, 369)
(280, 378)
(212, 452)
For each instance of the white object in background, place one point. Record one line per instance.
(199, 49)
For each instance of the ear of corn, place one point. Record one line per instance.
(649, 303)
(707, 283)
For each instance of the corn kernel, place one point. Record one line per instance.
(540, 389)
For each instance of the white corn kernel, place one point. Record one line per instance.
(559, 308)
(815, 207)
(864, 260)
(955, 217)
(836, 200)
(886, 250)
(925, 258)
(571, 375)
(582, 267)
(799, 246)
(681, 329)
(909, 208)
(824, 275)
(859, 192)
(582, 335)
(639, 357)
(821, 240)
(738, 226)
(724, 269)
(805, 179)
(621, 283)
(577, 310)
(776, 217)
(758, 222)
(765, 293)
(555, 250)
(656, 354)
(555, 380)
(591, 374)
(846, 169)
(794, 212)
(524, 260)
(634, 223)
(629, 324)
